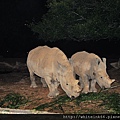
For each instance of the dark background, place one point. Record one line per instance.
(16, 39)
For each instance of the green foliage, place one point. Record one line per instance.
(110, 101)
(59, 101)
(79, 20)
(13, 100)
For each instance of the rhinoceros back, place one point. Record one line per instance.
(84, 62)
(80, 56)
(44, 60)
(36, 56)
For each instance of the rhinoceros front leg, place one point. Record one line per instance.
(92, 86)
(32, 78)
(85, 82)
(81, 82)
(43, 82)
(52, 85)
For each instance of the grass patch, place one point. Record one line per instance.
(13, 100)
(109, 100)
(112, 102)
(63, 104)
(89, 96)
(59, 101)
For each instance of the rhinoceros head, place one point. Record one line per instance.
(101, 75)
(68, 83)
(103, 79)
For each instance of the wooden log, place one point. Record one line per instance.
(6, 67)
(7, 64)
(116, 65)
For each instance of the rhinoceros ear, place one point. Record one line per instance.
(98, 61)
(70, 60)
(104, 61)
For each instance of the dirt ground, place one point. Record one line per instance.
(18, 81)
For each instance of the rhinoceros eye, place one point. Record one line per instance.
(101, 77)
(67, 84)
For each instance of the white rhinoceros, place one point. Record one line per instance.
(52, 65)
(90, 69)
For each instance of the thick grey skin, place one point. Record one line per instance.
(90, 69)
(52, 65)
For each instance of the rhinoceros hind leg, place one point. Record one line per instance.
(32, 78)
(33, 86)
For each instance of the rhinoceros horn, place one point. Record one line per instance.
(113, 80)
